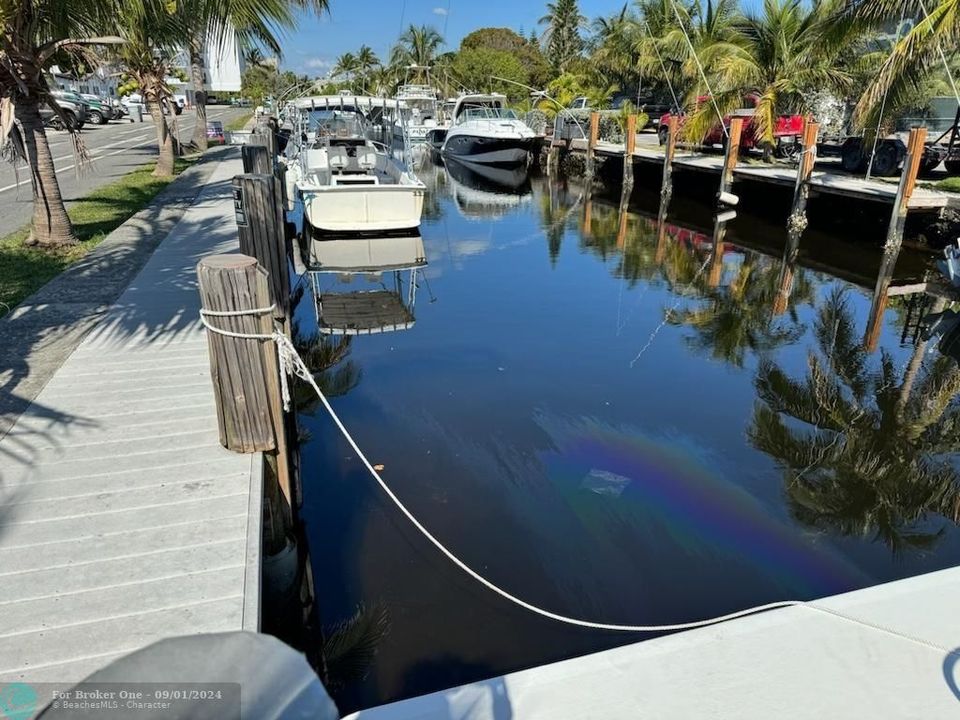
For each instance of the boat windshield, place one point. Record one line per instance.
(485, 112)
(336, 123)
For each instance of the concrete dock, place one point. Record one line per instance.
(822, 181)
(122, 519)
(889, 651)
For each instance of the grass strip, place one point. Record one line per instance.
(24, 270)
(238, 123)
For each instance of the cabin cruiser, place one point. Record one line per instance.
(485, 131)
(347, 182)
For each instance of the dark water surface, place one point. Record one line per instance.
(620, 425)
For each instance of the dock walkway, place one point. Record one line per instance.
(122, 519)
(827, 183)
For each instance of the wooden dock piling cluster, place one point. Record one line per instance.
(245, 370)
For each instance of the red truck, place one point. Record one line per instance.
(787, 133)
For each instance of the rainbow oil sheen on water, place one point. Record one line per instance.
(617, 420)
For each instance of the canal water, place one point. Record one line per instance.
(613, 418)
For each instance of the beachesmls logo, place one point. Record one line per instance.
(18, 701)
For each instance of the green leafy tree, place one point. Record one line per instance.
(476, 67)
(562, 37)
(33, 32)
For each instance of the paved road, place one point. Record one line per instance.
(116, 149)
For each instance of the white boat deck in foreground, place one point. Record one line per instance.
(892, 654)
(122, 519)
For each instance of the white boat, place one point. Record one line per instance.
(419, 111)
(348, 183)
(485, 131)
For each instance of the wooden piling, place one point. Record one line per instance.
(730, 157)
(894, 242)
(260, 226)
(908, 181)
(670, 149)
(592, 144)
(263, 138)
(256, 159)
(797, 221)
(630, 144)
(245, 372)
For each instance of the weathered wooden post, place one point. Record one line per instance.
(669, 150)
(891, 249)
(256, 159)
(262, 138)
(797, 221)
(592, 144)
(724, 196)
(261, 230)
(630, 144)
(245, 371)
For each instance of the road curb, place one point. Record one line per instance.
(45, 328)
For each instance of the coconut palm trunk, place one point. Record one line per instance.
(199, 139)
(51, 226)
(167, 154)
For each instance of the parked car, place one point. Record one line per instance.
(787, 133)
(73, 107)
(100, 111)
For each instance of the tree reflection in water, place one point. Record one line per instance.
(864, 452)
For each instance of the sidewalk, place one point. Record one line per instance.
(122, 519)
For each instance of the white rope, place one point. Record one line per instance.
(292, 364)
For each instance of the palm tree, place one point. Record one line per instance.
(152, 31)
(367, 62)
(328, 360)
(615, 39)
(254, 56)
(782, 55)
(920, 52)
(248, 22)
(33, 31)
(562, 35)
(417, 49)
(346, 66)
(864, 453)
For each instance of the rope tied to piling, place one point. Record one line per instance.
(292, 364)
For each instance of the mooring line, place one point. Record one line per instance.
(292, 364)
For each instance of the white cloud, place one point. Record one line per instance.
(318, 63)
(439, 11)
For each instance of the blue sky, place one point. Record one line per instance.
(377, 23)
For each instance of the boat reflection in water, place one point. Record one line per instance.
(382, 276)
(485, 191)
